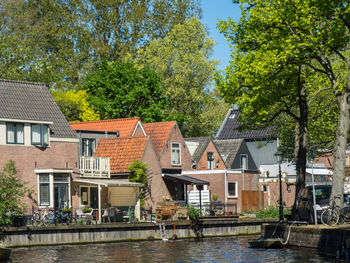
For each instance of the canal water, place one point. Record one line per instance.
(223, 249)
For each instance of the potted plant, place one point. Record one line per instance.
(87, 210)
(66, 210)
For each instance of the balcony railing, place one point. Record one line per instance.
(94, 167)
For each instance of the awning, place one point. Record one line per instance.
(107, 182)
(185, 179)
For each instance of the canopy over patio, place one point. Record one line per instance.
(120, 193)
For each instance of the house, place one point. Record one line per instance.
(98, 177)
(221, 164)
(262, 144)
(174, 157)
(35, 134)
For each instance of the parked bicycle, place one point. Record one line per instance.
(43, 218)
(334, 214)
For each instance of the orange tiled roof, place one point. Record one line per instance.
(125, 126)
(121, 151)
(159, 132)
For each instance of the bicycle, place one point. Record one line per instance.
(45, 218)
(335, 214)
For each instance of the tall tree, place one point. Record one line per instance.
(60, 42)
(119, 90)
(308, 38)
(183, 60)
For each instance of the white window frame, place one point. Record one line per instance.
(211, 163)
(236, 189)
(240, 160)
(51, 190)
(89, 140)
(179, 152)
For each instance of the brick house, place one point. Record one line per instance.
(35, 134)
(99, 178)
(227, 165)
(174, 158)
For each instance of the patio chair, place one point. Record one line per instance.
(109, 213)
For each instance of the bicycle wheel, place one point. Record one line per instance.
(35, 219)
(344, 215)
(329, 217)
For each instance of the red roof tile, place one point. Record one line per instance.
(125, 126)
(159, 132)
(121, 151)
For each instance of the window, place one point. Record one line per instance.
(44, 189)
(40, 134)
(14, 133)
(89, 196)
(244, 161)
(232, 189)
(89, 146)
(175, 153)
(210, 160)
(265, 188)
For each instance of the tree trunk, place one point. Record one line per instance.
(300, 144)
(340, 149)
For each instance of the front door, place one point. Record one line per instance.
(93, 197)
(60, 196)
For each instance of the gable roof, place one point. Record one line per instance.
(29, 101)
(199, 144)
(228, 149)
(126, 126)
(159, 132)
(121, 151)
(228, 129)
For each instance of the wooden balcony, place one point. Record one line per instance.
(98, 167)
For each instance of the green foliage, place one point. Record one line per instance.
(138, 174)
(182, 59)
(269, 212)
(215, 197)
(12, 192)
(74, 105)
(119, 90)
(193, 213)
(59, 42)
(87, 210)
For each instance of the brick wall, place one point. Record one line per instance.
(271, 196)
(165, 158)
(27, 158)
(202, 164)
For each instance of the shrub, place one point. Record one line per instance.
(193, 213)
(269, 212)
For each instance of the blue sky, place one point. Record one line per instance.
(213, 11)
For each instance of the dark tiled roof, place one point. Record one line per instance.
(228, 129)
(202, 145)
(32, 102)
(228, 149)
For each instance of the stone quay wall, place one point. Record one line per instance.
(80, 234)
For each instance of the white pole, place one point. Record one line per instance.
(99, 203)
(313, 190)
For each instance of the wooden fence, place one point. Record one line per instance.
(251, 200)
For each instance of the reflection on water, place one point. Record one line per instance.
(227, 249)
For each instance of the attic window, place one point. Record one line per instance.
(232, 116)
(40, 134)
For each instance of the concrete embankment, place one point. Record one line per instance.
(77, 234)
(330, 241)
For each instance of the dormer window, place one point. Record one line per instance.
(40, 134)
(14, 133)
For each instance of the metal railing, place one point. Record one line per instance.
(94, 167)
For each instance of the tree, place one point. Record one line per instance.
(182, 59)
(74, 105)
(60, 42)
(119, 90)
(282, 47)
(12, 192)
(138, 174)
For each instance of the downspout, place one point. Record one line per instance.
(225, 190)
